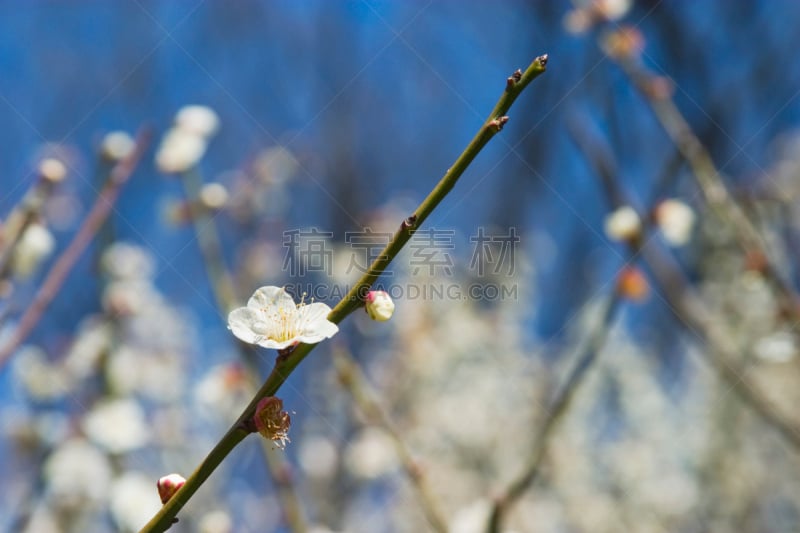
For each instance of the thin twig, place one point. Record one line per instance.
(205, 231)
(555, 413)
(353, 379)
(708, 177)
(689, 308)
(63, 266)
(353, 299)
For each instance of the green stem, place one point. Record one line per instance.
(208, 240)
(353, 299)
(222, 286)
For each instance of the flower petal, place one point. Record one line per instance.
(275, 345)
(315, 325)
(271, 299)
(246, 324)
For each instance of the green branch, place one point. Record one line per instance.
(353, 300)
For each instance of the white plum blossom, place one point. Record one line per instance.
(184, 145)
(180, 150)
(272, 320)
(34, 246)
(623, 224)
(612, 9)
(118, 426)
(676, 220)
(213, 196)
(371, 454)
(117, 145)
(78, 475)
(52, 170)
(132, 500)
(198, 119)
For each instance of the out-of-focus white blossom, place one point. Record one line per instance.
(379, 305)
(198, 119)
(676, 221)
(127, 297)
(41, 379)
(185, 144)
(272, 320)
(213, 196)
(777, 347)
(591, 12)
(623, 224)
(371, 454)
(117, 425)
(133, 502)
(127, 261)
(52, 169)
(180, 150)
(223, 392)
(217, 521)
(318, 457)
(117, 145)
(78, 475)
(34, 246)
(578, 20)
(91, 343)
(159, 376)
(612, 9)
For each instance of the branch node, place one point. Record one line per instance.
(248, 425)
(513, 79)
(409, 222)
(498, 123)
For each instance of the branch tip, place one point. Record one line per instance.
(410, 222)
(513, 79)
(542, 59)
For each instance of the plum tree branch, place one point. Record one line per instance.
(285, 365)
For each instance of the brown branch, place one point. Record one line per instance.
(708, 178)
(353, 379)
(58, 273)
(689, 308)
(555, 413)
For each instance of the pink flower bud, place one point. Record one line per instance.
(272, 421)
(169, 485)
(379, 305)
(632, 284)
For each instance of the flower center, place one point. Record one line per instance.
(287, 323)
